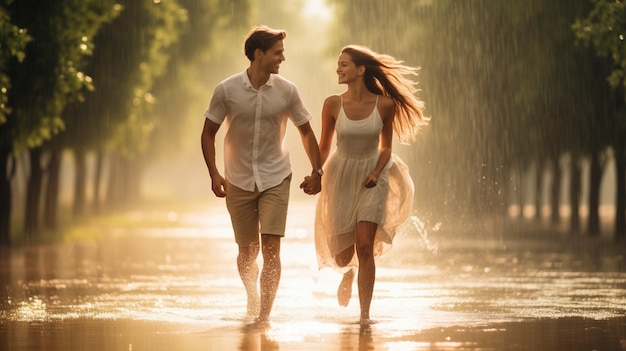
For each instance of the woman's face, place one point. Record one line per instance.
(347, 70)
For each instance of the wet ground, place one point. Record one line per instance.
(167, 281)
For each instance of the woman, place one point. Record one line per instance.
(367, 192)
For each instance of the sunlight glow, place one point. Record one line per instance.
(318, 9)
(416, 345)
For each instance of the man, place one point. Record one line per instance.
(256, 105)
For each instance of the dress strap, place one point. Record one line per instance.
(341, 110)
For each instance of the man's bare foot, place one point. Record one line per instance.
(344, 293)
(262, 322)
(366, 321)
(262, 319)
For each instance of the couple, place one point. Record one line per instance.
(365, 191)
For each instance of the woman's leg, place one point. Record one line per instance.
(365, 233)
(344, 292)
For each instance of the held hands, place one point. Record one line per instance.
(312, 184)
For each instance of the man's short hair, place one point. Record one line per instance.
(263, 38)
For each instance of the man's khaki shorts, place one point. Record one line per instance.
(253, 212)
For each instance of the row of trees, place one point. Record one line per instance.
(94, 76)
(521, 87)
(514, 89)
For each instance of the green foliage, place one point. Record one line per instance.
(51, 73)
(160, 29)
(92, 66)
(130, 53)
(604, 29)
(13, 40)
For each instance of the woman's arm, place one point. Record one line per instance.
(329, 116)
(387, 110)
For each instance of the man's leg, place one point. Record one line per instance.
(270, 274)
(273, 204)
(242, 206)
(249, 273)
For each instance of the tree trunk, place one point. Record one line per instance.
(134, 170)
(6, 168)
(620, 196)
(112, 192)
(80, 164)
(33, 194)
(555, 190)
(574, 196)
(520, 192)
(595, 177)
(538, 187)
(97, 181)
(51, 201)
(124, 180)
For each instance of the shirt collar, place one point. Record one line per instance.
(246, 80)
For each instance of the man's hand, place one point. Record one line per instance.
(312, 184)
(218, 185)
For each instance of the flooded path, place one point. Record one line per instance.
(174, 286)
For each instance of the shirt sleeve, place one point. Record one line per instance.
(217, 110)
(298, 112)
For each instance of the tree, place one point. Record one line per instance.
(130, 52)
(604, 30)
(13, 40)
(46, 79)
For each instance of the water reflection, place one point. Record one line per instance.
(257, 338)
(177, 288)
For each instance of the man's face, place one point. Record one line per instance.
(271, 59)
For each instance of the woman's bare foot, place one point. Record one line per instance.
(344, 293)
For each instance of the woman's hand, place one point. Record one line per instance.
(370, 181)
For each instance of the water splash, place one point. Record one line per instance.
(414, 225)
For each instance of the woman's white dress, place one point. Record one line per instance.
(344, 200)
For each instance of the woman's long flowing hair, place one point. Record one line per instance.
(384, 75)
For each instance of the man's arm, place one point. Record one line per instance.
(207, 140)
(312, 184)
